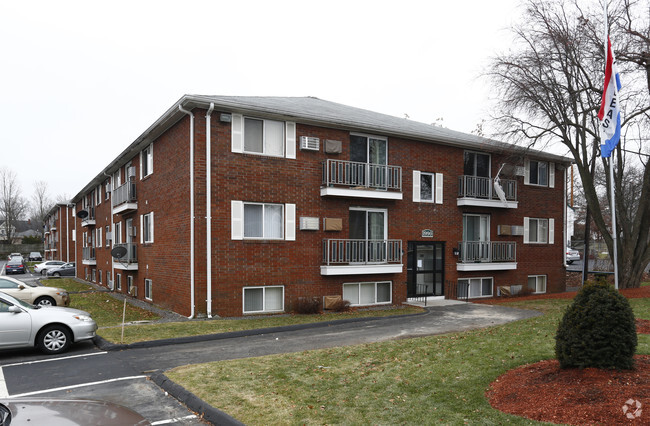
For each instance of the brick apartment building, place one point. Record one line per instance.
(242, 205)
(58, 232)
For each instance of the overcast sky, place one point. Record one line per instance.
(81, 80)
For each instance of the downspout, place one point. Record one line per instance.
(565, 233)
(180, 107)
(67, 233)
(110, 179)
(208, 209)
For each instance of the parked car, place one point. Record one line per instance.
(34, 294)
(14, 255)
(55, 411)
(50, 329)
(42, 267)
(65, 270)
(15, 265)
(35, 257)
(572, 255)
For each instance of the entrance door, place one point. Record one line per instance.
(426, 268)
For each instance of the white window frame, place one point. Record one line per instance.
(108, 240)
(99, 275)
(481, 286)
(117, 233)
(98, 242)
(148, 289)
(93, 275)
(118, 282)
(237, 137)
(436, 187)
(98, 195)
(130, 285)
(365, 283)
(264, 289)
(146, 161)
(237, 221)
(550, 174)
(538, 279)
(107, 192)
(147, 228)
(549, 236)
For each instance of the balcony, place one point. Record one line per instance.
(88, 256)
(357, 257)
(361, 180)
(480, 191)
(90, 219)
(124, 199)
(129, 261)
(487, 256)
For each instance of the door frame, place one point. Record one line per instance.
(412, 271)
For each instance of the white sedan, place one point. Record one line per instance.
(51, 329)
(41, 268)
(572, 255)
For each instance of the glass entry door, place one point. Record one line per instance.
(426, 268)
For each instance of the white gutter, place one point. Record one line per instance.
(67, 234)
(180, 107)
(564, 233)
(208, 209)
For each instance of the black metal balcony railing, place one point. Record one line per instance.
(362, 175)
(88, 253)
(487, 251)
(124, 193)
(483, 188)
(131, 255)
(342, 251)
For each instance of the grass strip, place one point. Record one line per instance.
(146, 332)
(428, 380)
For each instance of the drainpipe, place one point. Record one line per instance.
(110, 178)
(208, 209)
(180, 107)
(67, 233)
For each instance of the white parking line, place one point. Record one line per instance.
(54, 359)
(176, 420)
(3, 385)
(81, 385)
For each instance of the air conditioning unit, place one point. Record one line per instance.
(131, 171)
(309, 143)
(132, 231)
(309, 223)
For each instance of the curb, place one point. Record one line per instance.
(193, 402)
(105, 345)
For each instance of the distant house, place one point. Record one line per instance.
(3, 231)
(234, 206)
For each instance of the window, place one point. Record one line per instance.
(108, 236)
(148, 287)
(373, 293)
(93, 274)
(264, 136)
(98, 239)
(7, 284)
(537, 283)
(146, 161)
(108, 279)
(540, 231)
(263, 299)
(476, 164)
(474, 287)
(540, 173)
(118, 282)
(98, 195)
(99, 275)
(263, 221)
(146, 225)
(107, 189)
(117, 234)
(427, 187)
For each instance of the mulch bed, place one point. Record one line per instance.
(544, 392)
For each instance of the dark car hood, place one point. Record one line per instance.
(55, 412)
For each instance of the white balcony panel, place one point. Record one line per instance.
(361, 269)
(476, 267)
(359, 193)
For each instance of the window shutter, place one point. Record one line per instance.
(150, 168)
(141, 229)
(526, 172)
(237, 133)
(237, 220)
(416, 186)
(290, 131)
(290, 222)
(141, 161)
(551, 231)
(438, 188)
(551, 175)
(526, 230)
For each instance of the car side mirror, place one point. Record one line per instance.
(21, 286)
(15, 309)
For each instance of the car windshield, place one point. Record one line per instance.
(25, 305)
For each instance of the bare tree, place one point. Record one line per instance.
(41, 204)
(12, 204)
(549, 91)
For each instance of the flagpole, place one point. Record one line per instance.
(611, 161)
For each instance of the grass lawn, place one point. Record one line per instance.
(105, 310)
(429, 380)
(145, 332)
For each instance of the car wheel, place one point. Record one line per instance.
(53, 339)
(45, 301)
(57, 274)
(42, 271)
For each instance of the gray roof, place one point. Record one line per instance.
(311, 110)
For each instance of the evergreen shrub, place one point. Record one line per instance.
(597, 330)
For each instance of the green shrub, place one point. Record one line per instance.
(597, 330)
